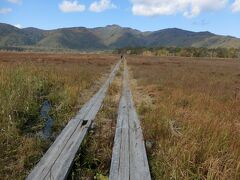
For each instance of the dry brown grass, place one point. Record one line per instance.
(190, 111)
(26, 80)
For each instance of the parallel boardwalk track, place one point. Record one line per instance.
(57, 161)
(129, 159)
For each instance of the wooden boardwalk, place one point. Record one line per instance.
(129, 159)
(57, 161)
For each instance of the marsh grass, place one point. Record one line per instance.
(198, 99)
(26, 81)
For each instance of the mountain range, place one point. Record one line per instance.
(109, 37)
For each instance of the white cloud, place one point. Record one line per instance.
(5, 10)
(18, 26)
(189, 8)
(102, 5)
(71, 6)
(236, 6)
(14, 1)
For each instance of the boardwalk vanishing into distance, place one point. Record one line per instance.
(57, 161)
(129, 159)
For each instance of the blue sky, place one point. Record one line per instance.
(217, 16)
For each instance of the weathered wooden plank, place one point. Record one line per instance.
(129, 159)
(56, 162)
(124, 151)
(139, 166)
(117, 142)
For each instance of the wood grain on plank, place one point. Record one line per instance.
(129, 159)
(57, 161)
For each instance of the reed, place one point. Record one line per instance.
(190, 112)
(67, 81)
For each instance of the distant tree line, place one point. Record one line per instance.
(33, 49)
(182, 52)
(11, 49)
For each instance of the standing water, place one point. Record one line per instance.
(47, 130)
